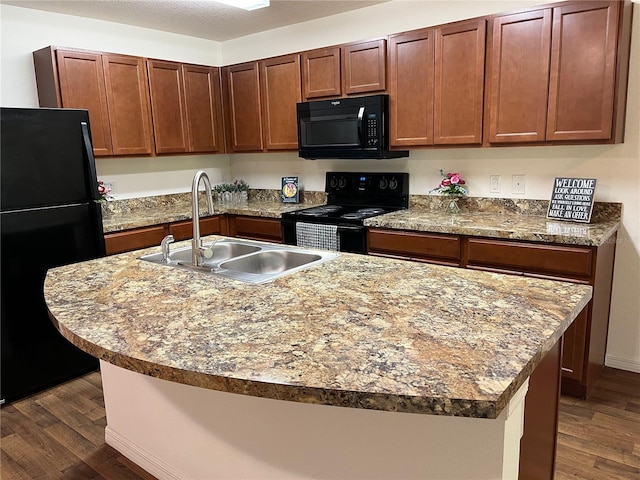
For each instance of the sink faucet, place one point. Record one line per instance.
(198, 252)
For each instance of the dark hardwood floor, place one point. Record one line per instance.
(59, 434)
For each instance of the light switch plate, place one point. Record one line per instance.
(517, 184)
(494, 183)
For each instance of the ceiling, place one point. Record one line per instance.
(198, 18)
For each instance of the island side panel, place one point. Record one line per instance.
(180, 431)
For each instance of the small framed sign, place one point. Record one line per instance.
(572, 199)
(290, 191)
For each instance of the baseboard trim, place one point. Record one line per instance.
(141, 457)
(622, 363)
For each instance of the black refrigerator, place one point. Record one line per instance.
(49, 216)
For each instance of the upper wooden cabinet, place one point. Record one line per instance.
(583, 58)
(243, 110)
(436, 85)
(128, 102)
(203, 108)
(185, 102)
(167, 106)
(364, 67)
(411, 76)
(352, 69)
(82, 85)
(559, 74)
(321, 73)
(519, 77)
(280, 87)
(113, 88)
(260, 107)
(459, 83)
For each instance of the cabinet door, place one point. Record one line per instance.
(519, 56)
(442, 249)
(575, 345)
(321, 73)
(255, 228)
(81, 78)
(364, 67)
(459, 83)
(184, 230)
(243, 111)
(203, 108)
(135, 239)
(583, 57)
(128, 101)
(167, 106)
(280, 82)
(411, 62)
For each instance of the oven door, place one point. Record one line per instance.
(353, 238)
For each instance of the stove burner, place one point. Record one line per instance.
(320, 211)
(371, 211)
(363, 213)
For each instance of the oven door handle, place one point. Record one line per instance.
(348, 228)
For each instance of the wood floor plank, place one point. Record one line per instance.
(615, 470)
(11, 470)
(108, 461)
(30, 408)
(36, 466)
(87, 428)
(40, 444)
(74, 441)
(81, 470)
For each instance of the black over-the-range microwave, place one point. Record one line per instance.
(355, 127)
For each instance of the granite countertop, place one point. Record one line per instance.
(486, 217)
(502, 218)
(168, 212)
(357, 331)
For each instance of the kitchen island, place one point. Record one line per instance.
(360, 367)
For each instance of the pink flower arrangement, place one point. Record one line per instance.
(451, 184)
(104, 192)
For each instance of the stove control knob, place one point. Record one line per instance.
(342, 182)
(333, 181)
(383, 183)
(393, 184)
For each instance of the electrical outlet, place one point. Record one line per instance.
(494, 183)
(517, 184)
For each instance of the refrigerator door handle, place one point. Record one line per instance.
(93, 177)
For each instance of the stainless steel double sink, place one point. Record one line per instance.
(245, 260)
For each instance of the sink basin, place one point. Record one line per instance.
(246, 261)
(222, 251)
(270, 264)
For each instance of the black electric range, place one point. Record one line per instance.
(352, 197)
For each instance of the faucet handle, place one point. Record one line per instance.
(207, 252)
(164, 244)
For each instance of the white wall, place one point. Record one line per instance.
(616, 167)
(24, 30)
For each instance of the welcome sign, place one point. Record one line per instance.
(572, 199)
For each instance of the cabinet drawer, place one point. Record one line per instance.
(184, 230)
(423, 246)
(551, 260)
(256, 228)
(129, 240)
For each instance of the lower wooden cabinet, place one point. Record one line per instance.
(255, 228)
(421, 247)
(184, 230)
(128, 240)
(144, 237)
(585, 340)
